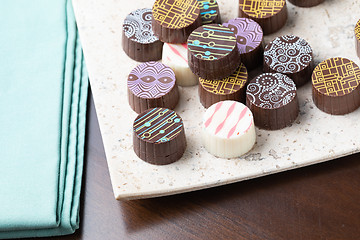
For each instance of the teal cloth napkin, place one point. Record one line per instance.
(43, 94)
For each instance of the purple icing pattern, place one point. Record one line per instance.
(249, 34)
(151, 80)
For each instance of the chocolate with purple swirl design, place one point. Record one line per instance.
(290, 55)
(138, 40)
(152, 84)
(250, 41)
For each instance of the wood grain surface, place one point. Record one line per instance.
(316, 202)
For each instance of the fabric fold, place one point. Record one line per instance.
(43, 95)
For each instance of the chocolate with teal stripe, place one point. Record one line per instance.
(209, 11)
(212, 52)
(159, 136)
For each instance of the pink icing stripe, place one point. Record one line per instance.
(184, 45)
(168, 58)
(177, 53)
(217, 107)
(232, 130)
(221, 125)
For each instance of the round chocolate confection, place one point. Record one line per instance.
(291, 56)
(271, 15)
(273, 100)
(174, 20)
(250, 41)
(138, 39)
(336, 86)
(229, 88)
(212, 52)
(357, 38)
(228, 129)
(306, 3)
(159, 136)
(152, 84)
(209, 11)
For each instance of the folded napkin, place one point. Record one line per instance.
(43, 93)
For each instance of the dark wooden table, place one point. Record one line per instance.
(316, 202)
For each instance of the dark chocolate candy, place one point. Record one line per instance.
(152, 84)
(336, 86)
(250, 41)
(357, 38)
(229, 88)
(209, 11)
(159, 136)
(273, 100)
(271, 15)
(212, 52)
(306, 3)
(138, 39)
(289, 55)
(174, 20)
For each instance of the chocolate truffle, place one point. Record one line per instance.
(271, 15)
(229, 88)
(289, 55)
(174, 20)
(336, 86)
(152, 84)
(228, 129)
(212, 52)
(175, 56)
(306, 3)
(273, 100)
(357, 38)
(159, 136)
(209, 11)
(250, 41)
(138, 39)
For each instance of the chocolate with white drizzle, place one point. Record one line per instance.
(289, 55)
(273, 100)
(138, 39)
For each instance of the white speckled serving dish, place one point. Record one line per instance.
(315, 136)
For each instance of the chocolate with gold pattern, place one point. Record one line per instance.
(209, 11)
(357, 38)
(336, 86)
(159, 136)
(212, 52)
(306, 3)
(174, 20)
(229, 88)
(271, 15)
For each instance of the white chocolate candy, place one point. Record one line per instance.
(175, 56)
(228, 129)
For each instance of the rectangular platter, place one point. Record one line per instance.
(315, 136)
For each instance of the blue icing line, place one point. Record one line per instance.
(162, 124)
(217, 30)
(205, 47)
(145, 115)
(155, 124)
(169, 133)
(211, 12)
(148, 120)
